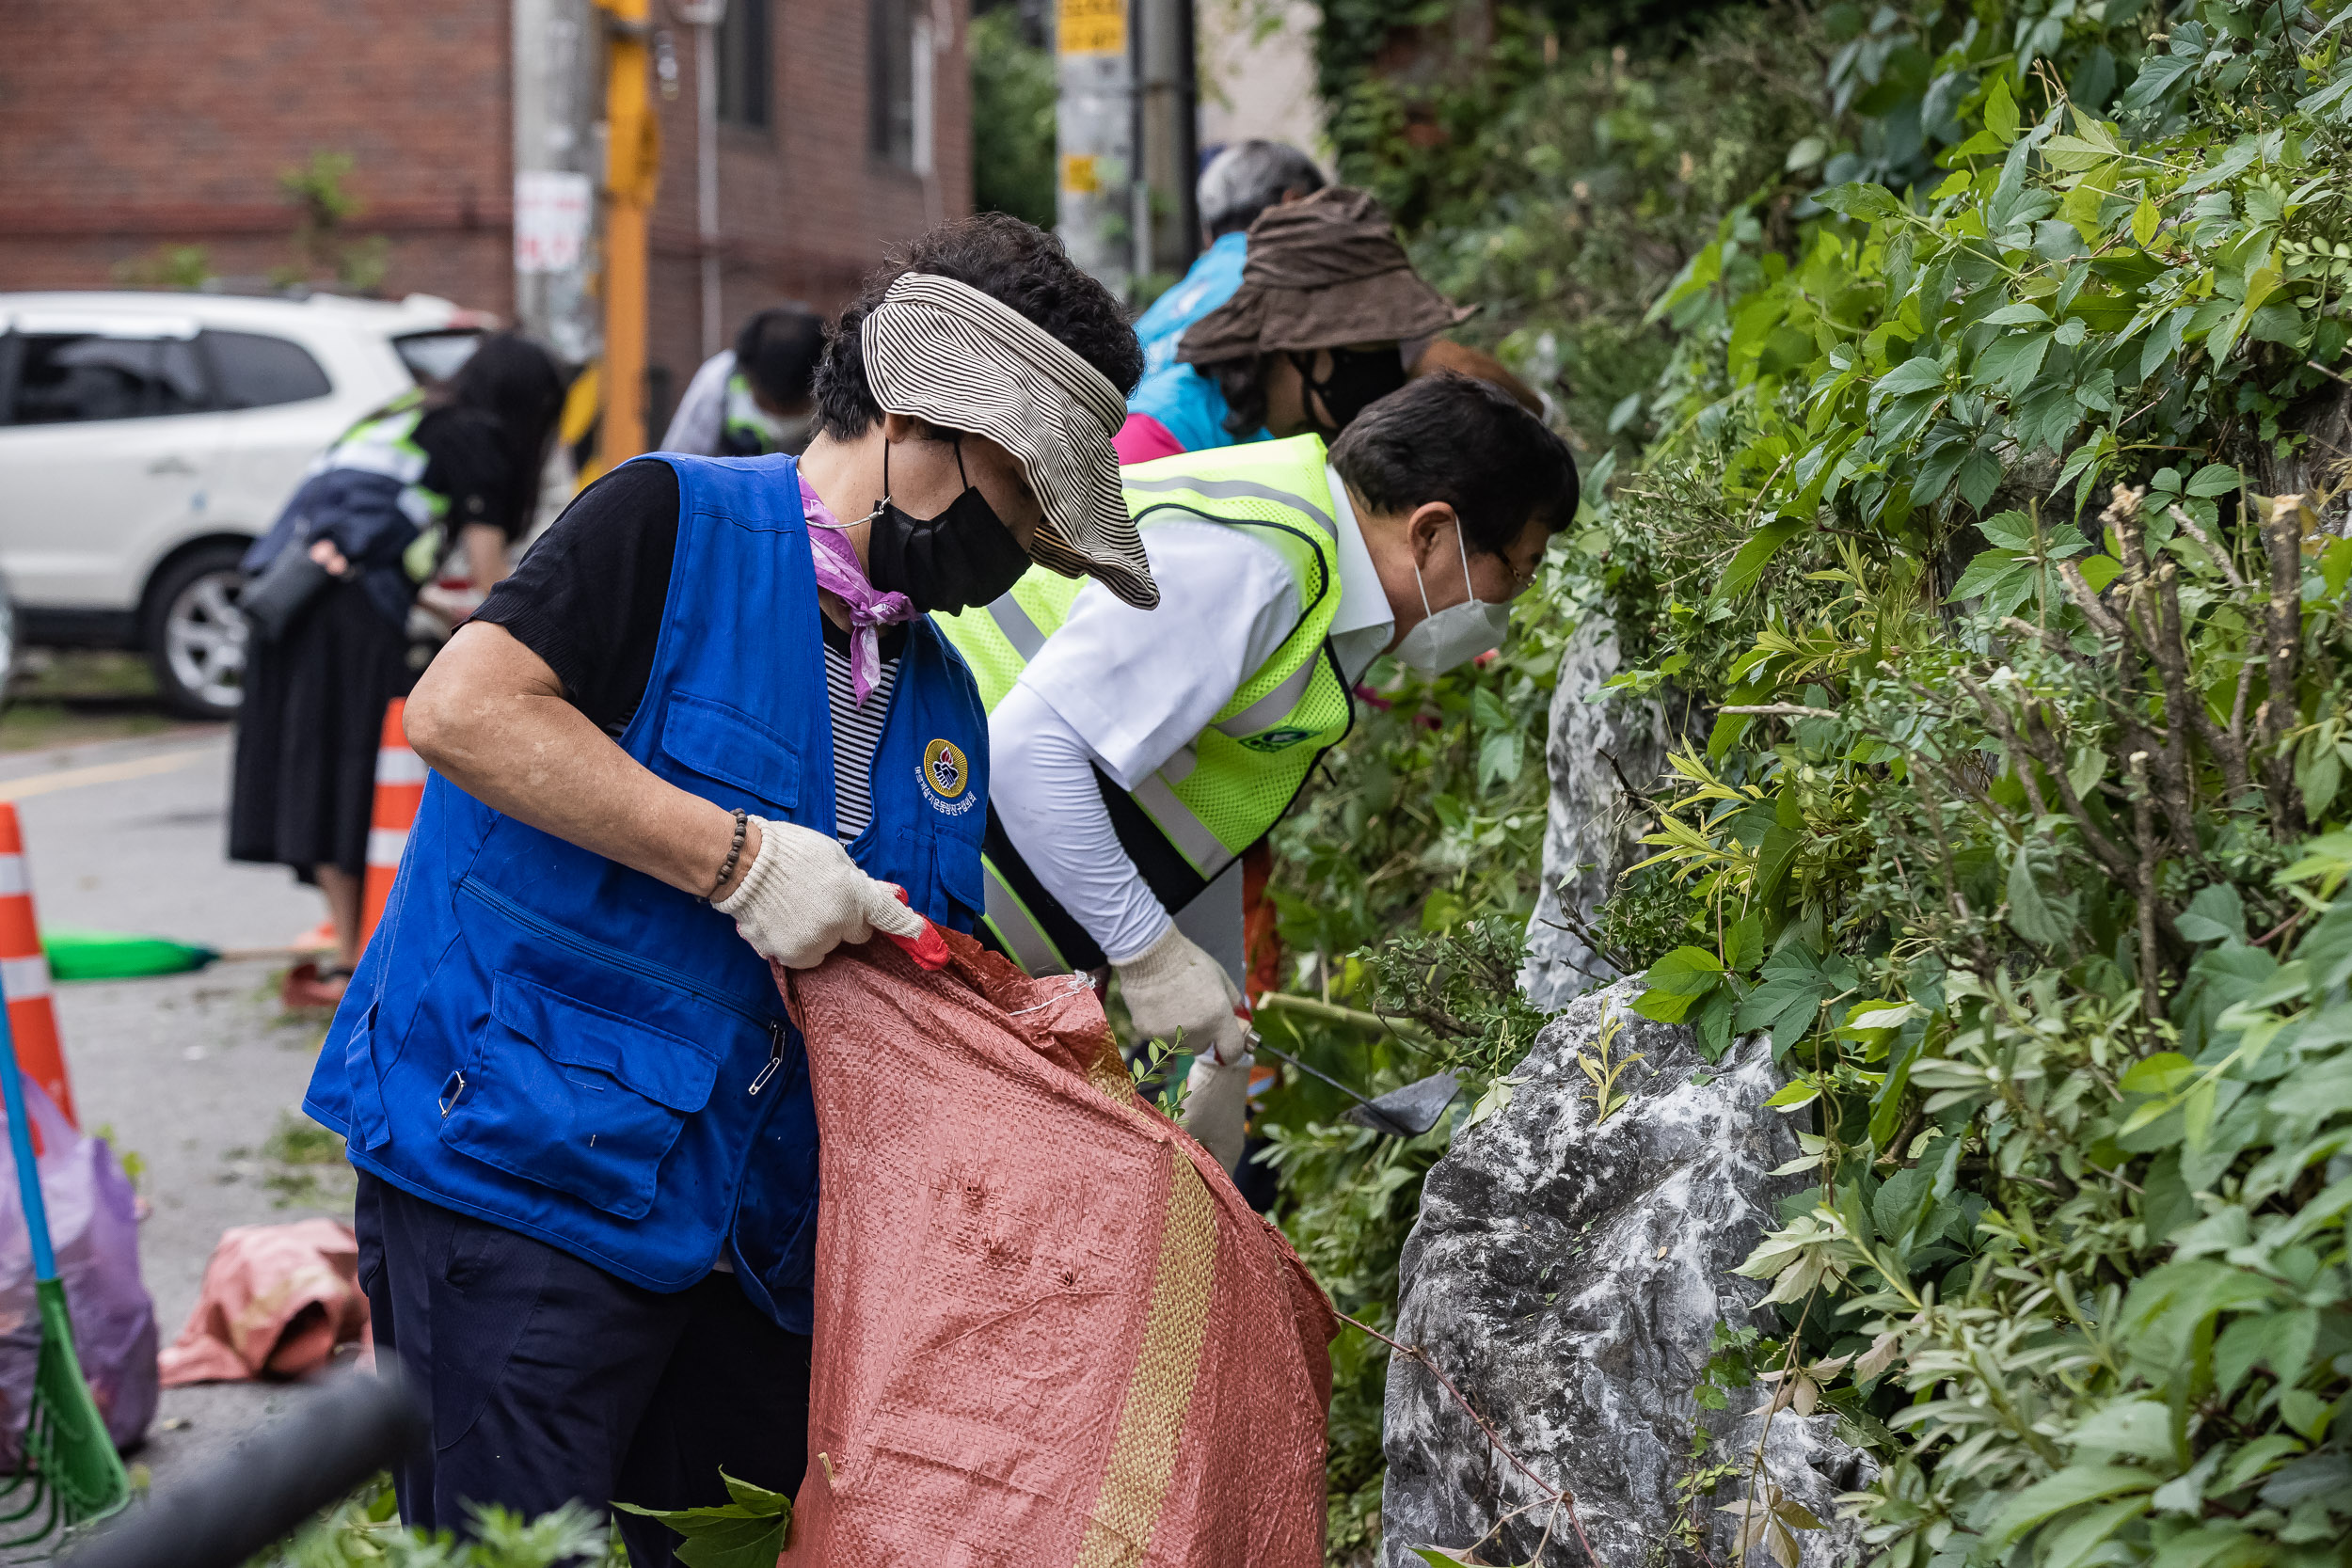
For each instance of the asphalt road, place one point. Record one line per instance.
(194, 1073)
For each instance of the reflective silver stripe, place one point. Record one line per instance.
(1179, 765)
(1013, 621)
(1190, 835)
(1031, 949)
(1267, 711)
(24, 979)
(1226, 488)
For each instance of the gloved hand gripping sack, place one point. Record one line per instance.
(1049, 1331)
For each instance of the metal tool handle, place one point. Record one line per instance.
(20, 1143)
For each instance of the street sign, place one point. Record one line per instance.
(1091, 27)
(552, 210)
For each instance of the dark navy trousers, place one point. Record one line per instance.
(552, 1380)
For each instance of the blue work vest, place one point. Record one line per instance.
(542, 1038)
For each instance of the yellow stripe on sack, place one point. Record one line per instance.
(1167, 1367)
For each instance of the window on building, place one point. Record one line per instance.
(76, 377)
(890, 80)
(252, 369)
(747, 65)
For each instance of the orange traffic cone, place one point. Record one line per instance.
(400, 776)
(25, 971)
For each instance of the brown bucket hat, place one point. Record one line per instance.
(1321, 272)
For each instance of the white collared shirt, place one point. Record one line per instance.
(1126, 689)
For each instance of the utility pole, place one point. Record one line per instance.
(633, 164)
(705, 16)
(558, 95)
(1094, 128)
(1167, 223)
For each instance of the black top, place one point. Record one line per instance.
(588, 597)
(465, 461)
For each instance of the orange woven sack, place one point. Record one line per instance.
(1049, 1332)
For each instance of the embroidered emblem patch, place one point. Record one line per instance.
(945, 769)
(1275, 740)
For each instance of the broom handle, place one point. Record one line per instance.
(20, 1143)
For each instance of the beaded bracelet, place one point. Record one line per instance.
(735, 852)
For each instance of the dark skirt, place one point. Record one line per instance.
(304, 785)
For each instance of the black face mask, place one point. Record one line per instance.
(1360, 377)
(963, 557)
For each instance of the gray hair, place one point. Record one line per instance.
(1248, 177)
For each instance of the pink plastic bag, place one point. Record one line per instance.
(93, 1222)
(277, 1300)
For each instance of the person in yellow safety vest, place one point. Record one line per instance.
(1135, 757)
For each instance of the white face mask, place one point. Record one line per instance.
(1456, 634)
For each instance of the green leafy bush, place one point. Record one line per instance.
(1997, 405)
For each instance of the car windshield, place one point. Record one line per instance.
(433, 357)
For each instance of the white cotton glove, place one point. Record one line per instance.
(1176, 993)
(803, 897)
(1216, 1105)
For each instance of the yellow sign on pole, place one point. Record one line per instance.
(1091, 27)
(1078, 173)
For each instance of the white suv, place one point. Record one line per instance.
(146, 439)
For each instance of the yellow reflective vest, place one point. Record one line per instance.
(1221, 793)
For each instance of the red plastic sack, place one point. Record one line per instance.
(277, 1300)
(93, 1225)
(1049, 1332)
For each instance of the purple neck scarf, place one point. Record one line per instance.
(839, 574)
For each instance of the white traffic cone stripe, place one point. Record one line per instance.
(14, 880)
(400, 767)
(25, 978)
(385, 845)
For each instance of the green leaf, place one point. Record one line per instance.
(2161, 1073)
(2089, 1536)
(2000, 112)
(2012, 362)
(2217, 912)
(1920, 373)
(1686, 971)
(748, 1532)
(2145, 221)
(2214, 479)
(2076, 1483)
(2030, 914)
(1862, 199)
(1754, 556)
(1743, 945)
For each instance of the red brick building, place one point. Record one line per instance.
(125, 133)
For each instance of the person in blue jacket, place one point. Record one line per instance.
(1242, 180)
(707, 725)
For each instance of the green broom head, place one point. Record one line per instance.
(75, 953)
(69, 1473)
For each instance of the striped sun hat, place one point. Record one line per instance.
(941, 351)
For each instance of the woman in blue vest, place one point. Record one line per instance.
(705, 725)
(454, 469)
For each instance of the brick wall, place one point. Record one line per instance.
(805, 209)
(125, 130)
(122, 132)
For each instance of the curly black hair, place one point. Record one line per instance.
(1002, 257)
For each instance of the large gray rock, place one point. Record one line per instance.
(1591, 831)
(1569, 1277)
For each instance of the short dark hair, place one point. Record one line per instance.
(778, 348)
(1016, 262)
(1454, 438)
(1247, 178)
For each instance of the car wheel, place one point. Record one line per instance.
(195, 635)
(8, 643)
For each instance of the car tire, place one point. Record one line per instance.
(8, 643)
(196, 636)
